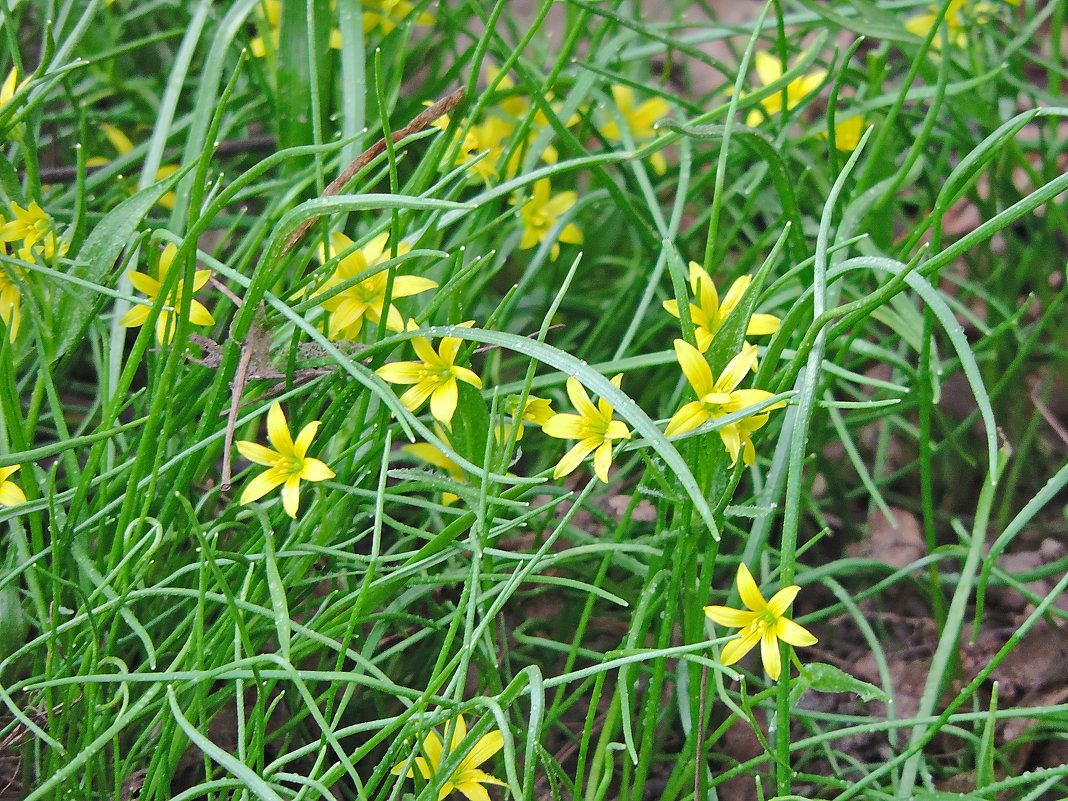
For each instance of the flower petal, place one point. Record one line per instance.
(257, 453)
(735, 293)
(769, 655)
(738, 647)
(406, 285)
(748, 591)
(278, 430)
(768, 67)
(737, 369)
(794, 633)
(401, 372)
(581, 400)
(617, 429)
(374, 249)
(573, 458)
(166, 325)
(134, 317)
(744, 398)
(443, 401)
(200, 278)
(472, 790)
(732, 441)
(144, 283)
(602, 459)
(304, 438)
(760, 324)
(704, 291)
(11, 494)
(689, 417)
(426, 352)
(781, 600)
(426, 452)
(570, 235)
(487, 745)
(316, 470)
(468, 376)
(199, 315)
(416, 396)
(291, 495)
(565, 426)
(726, 616)
(262, 484)
(432, 747)
(694, 367)
(474, 775)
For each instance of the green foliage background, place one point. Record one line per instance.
(157, 635)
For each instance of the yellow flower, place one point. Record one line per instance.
(32, 225)
(434, 377)
(716, 398)
(487, 137)
(467, 778)
(959, 15)
(367, 298)
(167, 322)
(11, 86)
(517, 106)
(766, 623)
(288, 462)
(593, 427)
(769, 69)
(387, 14)
(271, 11)
(536, 411)
(847, 133)
(11, 494)
(737, 440)
(271, 15)
(708, 314)
(639, 120)
(122, 144)
(540, 214)
(428, 453)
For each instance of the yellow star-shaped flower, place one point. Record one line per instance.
(388, 14)
(289, 463)
(765, 622)
(593, 427)
(719, 397)
(467, 778)
(769, 69)
(959, 15)
(32, 225)
(366, 299)
(708, 314)
(639, 120)
(434, 377)
(540, 214)
(535, 411)
(167, 322)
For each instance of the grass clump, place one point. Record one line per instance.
(557, 319)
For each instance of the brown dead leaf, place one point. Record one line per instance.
(897, 543)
